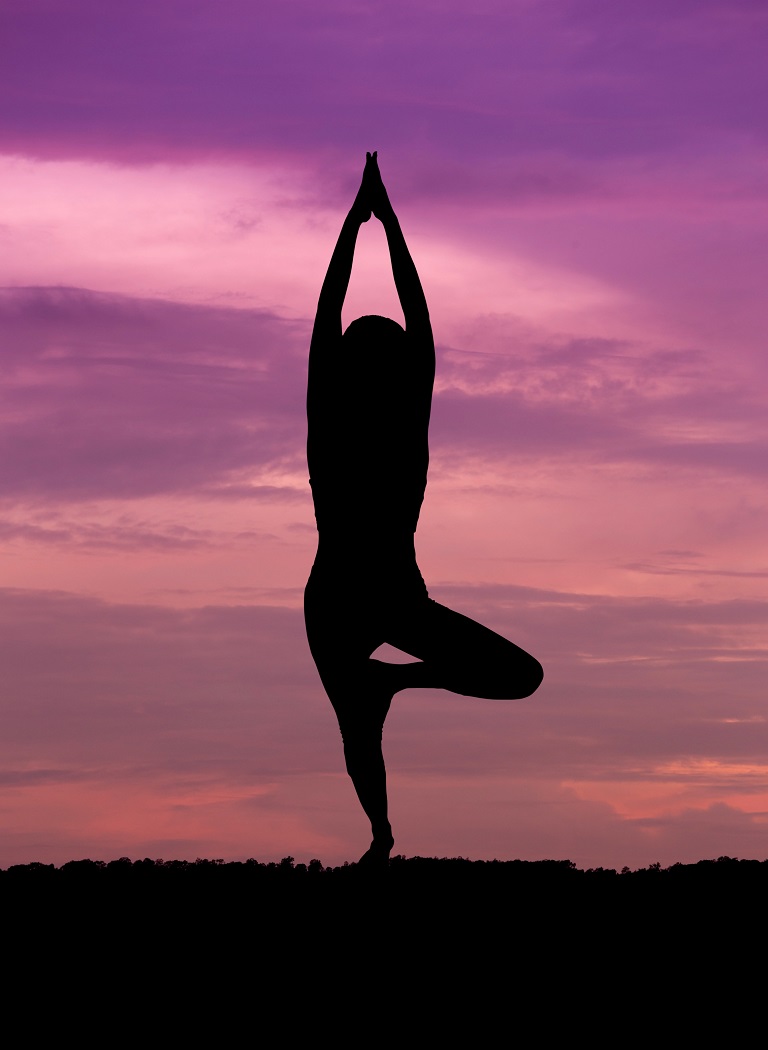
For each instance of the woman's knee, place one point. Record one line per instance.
(360, 724)
(361, 739)
(524, 677)
(513, 679)
(532, 678)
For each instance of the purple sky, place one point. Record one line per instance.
(584, 189)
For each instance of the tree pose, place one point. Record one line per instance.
(368, 405)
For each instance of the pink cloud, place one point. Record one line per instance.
(111, 397)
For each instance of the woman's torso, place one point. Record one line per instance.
(368, 447)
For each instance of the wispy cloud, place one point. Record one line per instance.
(111, 397)
(564, 73)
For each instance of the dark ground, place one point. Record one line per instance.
(450, 947)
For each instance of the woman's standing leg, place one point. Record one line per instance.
(361, 721)
(361, 691)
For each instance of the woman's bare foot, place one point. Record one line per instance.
(377, 854)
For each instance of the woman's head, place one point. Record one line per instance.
(373, 331)
(375, 346)
(378, 371)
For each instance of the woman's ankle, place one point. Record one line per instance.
(382, 836)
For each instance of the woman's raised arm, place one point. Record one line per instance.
(409, 290)
(332, 294)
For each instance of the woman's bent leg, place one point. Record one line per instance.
(461, 655)
(454, 653)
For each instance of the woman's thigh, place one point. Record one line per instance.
(348, 608)
(466, 657)
(342, 629)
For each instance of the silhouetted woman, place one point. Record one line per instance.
(368, 404)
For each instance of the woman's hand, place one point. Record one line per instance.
(371, 197)
(377, 195)
(361, 207)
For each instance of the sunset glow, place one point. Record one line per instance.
(583, 188)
